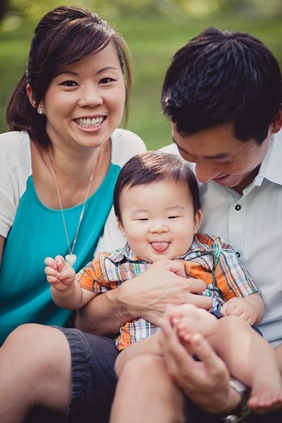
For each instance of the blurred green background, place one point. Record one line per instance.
(154, 30)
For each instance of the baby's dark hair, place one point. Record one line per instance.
(153, 166)
(221, 78)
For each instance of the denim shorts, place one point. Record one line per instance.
(93, 376)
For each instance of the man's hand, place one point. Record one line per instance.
(163, 283)
(205, 382)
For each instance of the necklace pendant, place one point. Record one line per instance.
(71, 259)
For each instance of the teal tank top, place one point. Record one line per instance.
(38, 232)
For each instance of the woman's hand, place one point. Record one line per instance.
(144, 296)
(205, 382)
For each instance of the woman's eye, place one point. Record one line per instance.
(69, 83)
(106, 80)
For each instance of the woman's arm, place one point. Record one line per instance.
(144, 296)
(2, 242)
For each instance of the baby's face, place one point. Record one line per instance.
(158, 219)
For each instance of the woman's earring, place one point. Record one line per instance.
(40, 111)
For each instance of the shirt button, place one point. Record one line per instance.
(237, 207)
(238, 254)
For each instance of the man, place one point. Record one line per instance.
(222, 93)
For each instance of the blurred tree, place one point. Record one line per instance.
(3, 8)
(110, 9)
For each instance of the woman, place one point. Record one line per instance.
(58, 173)
(60, 163)
(58, 167)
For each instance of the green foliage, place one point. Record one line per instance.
(153, 39)
(34, 9)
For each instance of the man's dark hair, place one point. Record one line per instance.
(220, 78)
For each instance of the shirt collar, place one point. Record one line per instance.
(124, 253)
(271, 166)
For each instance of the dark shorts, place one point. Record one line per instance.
(93, 377)
(93, 381)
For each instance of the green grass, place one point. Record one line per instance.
(153, 41)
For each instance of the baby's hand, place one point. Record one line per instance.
(60, 274)
(240, 307)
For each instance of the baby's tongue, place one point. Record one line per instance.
(160, 247)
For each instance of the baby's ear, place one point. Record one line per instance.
(119, 224)
(197, 220)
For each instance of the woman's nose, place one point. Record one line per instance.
(90, 95)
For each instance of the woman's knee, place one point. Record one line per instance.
(37, 355)
(35, 347)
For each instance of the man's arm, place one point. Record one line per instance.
(144, 296)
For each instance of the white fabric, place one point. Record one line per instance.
(123, 149)
(255, 230)
(15, 168)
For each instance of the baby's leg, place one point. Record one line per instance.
(189, 319)
(278, 353)
(250, 359)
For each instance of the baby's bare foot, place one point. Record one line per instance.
(188, 320)
(266, 397)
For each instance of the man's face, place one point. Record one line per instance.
(221, 157)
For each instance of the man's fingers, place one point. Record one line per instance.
(213, 363)
(174, 353)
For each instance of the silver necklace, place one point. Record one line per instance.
(71, 257)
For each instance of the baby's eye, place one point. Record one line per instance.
(173, 217)
(69, 83)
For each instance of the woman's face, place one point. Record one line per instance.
(84, 102)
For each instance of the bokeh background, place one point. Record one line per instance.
(154, 30)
